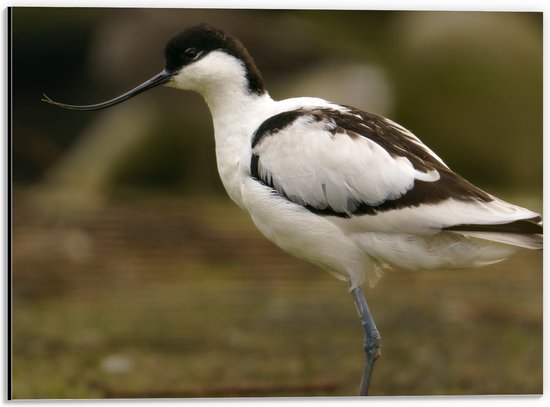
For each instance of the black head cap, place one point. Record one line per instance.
(197, 41)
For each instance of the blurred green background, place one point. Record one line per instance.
(134, 276)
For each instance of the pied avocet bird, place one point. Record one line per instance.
(350, 191)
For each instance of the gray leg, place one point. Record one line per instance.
(372, 338)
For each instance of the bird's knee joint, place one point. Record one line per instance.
(372, 346)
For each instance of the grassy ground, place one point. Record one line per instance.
(164, 299)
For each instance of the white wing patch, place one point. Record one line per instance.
(315, 166)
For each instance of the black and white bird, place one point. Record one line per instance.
(350, 191)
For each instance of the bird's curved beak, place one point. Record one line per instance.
(156, 80)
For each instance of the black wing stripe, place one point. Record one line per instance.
(523, 226)
(389, 137)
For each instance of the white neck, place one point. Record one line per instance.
(236, 111)
(236, 115)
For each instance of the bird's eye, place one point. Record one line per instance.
(191, 53)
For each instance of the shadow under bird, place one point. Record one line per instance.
(350, 191)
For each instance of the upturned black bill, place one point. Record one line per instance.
(156, 80)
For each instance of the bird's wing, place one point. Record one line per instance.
(342, 162)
